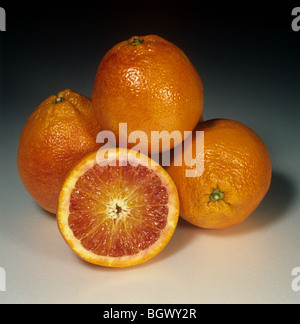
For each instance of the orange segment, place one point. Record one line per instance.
(118, 215)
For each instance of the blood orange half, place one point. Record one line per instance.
(118, 215)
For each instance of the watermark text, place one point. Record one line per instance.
(2, 279)
(2, 19)
(296, 20)
(296, 280)
(188, 148)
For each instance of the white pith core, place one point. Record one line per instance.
(117, 209)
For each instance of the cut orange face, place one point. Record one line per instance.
(118, 215)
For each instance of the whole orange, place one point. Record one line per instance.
(236, 177)
(56, 136)
(150, 84)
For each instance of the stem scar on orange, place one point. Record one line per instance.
(236, 178)
(121, 215)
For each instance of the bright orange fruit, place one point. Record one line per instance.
(118, 216)
(236, 178)
(57, 135)
(150, 84)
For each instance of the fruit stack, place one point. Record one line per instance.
(89, 161)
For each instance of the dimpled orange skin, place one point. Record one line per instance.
(55, 137)
(151, 86)
(236, 163)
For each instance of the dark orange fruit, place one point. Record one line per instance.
(56, 136)
(150, 84)
(236, 177)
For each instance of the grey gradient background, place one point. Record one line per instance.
(248, 59)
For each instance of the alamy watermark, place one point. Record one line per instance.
(2, 19)
(296, 280)
(188, 148)
(2, 279)
(296, 20)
